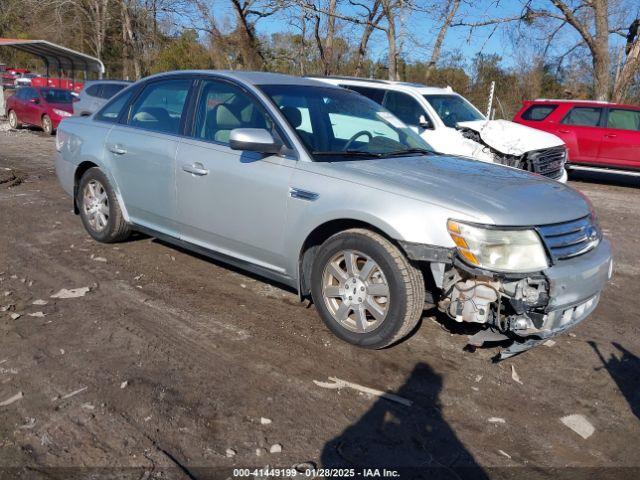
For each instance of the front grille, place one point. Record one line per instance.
(566, 240)
(548, 162)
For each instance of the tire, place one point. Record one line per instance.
(47, 125)
(402, 302)
(99, 208)
(13, 120)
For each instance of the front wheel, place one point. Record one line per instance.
(47, 125)
(13, 120)
(365, 289)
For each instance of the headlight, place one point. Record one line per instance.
(61, 113)
(498, 250)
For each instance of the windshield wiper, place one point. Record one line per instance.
(347, 153)
(408, 151)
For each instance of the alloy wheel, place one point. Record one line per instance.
(355, 291)
(96, 205)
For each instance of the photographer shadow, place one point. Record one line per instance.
(415, 441)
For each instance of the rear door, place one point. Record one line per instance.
(620, 145)
(581, 130)
(232, 201)
(142, 153)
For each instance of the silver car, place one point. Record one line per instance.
(325, 191)
(95, 94)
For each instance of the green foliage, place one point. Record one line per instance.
(183, 53)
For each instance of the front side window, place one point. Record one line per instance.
(56, 95)
(111, 110)
(224, 106)
(453, 109)
(583, 116)
(160, 106)
(404, 107)
(537, 113)
(622, 119)
(338, 125)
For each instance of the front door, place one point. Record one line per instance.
(231, 201)
(621, 139)
(142, 154)
(32, 107)
(580, 130)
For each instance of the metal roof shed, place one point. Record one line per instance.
(56, 56)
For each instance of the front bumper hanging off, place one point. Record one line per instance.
(527, 310)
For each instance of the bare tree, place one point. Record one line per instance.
(631, 67)
(373, 16)
(451, 8)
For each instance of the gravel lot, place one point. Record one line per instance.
(170, 361)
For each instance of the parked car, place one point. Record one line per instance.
(41, 107)
(264, 172)
(10, 74)
(25, 80)
(452, 125)
(598, 134)
(95, 94)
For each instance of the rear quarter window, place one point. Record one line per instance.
(111, 111)
(537, 113)
(93, 90)
(375, 94)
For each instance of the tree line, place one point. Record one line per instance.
(557, 48)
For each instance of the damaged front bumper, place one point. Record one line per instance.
(527, 309)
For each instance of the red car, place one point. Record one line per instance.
(42, 107)
(598, 134)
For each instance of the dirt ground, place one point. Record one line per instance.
(165, 368)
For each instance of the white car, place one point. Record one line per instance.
(452, 125)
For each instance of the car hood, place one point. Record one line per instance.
(511, 138)
(505, 195)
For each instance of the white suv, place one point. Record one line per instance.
(452, 125)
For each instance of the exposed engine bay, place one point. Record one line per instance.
(507, 305)
(548, 162)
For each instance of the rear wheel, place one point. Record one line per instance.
(99, 208)
(47, 125)
(13, 120)
(365, 289)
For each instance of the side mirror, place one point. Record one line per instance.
(254, 140)
(425, 123)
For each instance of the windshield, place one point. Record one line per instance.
(453, 109)
(337, 125)
(56, 95)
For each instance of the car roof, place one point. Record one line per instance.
(588, 103)
(253, 78)
(388, 84)
(118, 82)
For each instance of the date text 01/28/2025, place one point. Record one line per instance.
(315, 472)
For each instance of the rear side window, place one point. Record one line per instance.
(160, 106)
(622, 119)
(405, 107)
(375, 94)
(110, 89)
(111, 111)
(536, 113)
(583, 116)
(94, 90)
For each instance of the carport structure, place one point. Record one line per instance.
(57, 57)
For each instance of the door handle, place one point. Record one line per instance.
(564, 131)
(610, 135)
(195, 169)
(117, 149)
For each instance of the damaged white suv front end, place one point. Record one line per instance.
(452, 125)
